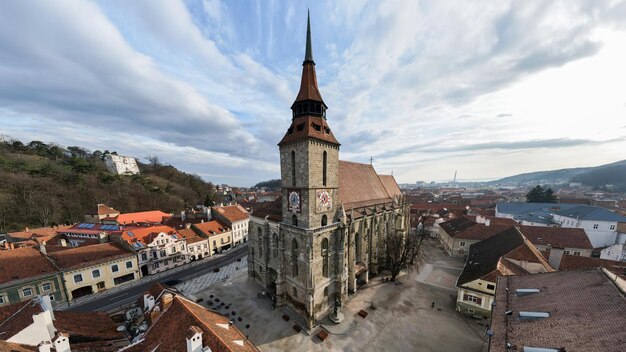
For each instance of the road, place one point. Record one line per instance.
(114, 300)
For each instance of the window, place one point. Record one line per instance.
(294, 257)
(595, 226)
(357, 239)
(294, 293)
(3, 300)
(214, 243)
(165, 262)
(491, 287)
(222, 240)
(51, 297)
(144, 256)
(462, 244)
(78, 278)
(612, 227)
(115, 268)
(46, 287)
(324, 220)
(275, 245)
(129, 264)
(324, 167)
(155, 255)
(163, 253)
(294, 220)
(567, 252)
(27, 292)
(473, 299)
(326, 291)
(293, 168)
(577, 253)
(325, 270)
(95, 273)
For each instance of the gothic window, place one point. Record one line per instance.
(294, 220)
(357, 240)
(324, 167)
(293, 168)
(275, 248)
(260, 247)
(325, 257)
(294, 292)
(326, 291)
(294, 257)
(324, 220)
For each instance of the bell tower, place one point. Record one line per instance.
(309, 155)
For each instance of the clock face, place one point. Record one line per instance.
(294, 201)
(324, 200)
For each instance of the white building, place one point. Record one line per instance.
(236, 218)
(121, 165)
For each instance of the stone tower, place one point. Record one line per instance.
(309, 155)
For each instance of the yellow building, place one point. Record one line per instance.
(219, 236)
(95, 268)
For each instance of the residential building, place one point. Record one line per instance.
(179, 324)
(32, 237)
(95, 268)
(152, 217)
(158, 248)
(32, 325)
(84, 234)
(100, 212)
(323, 238)
(121, 165)
(234, 217)
(506, 253)
(560, 261)
(218, 235)
(580, 310)
(197, 246)
(573, 241)
(614, 252)
(26, 273)
(457, 235)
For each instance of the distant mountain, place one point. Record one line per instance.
(598, 176)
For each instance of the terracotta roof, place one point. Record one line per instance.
(23, 263)
(574, 262)
(16, 317)
(14, 347)
(304, 127)
(190, 235)
(211, 228)
(360, 186)
(145, 235)
(87, 325)
(464, 227)
(308, 84)
(273, 210)
(232, 213)
(556, 236)
(154, 216)
(169, 332)
(587, 312)
(102, 209)
(390, 184)
(39, 232)
(83, 256)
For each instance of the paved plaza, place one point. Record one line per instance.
(199, 283)
(400, 317)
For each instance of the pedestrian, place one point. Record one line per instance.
(432, 305)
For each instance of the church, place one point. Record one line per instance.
(313, 247)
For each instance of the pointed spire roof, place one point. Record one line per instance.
(308, 83)
(308, 54)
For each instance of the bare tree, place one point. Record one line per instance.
(401, 250)
(154, 160)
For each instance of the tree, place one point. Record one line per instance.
(549, 196)
(539, 195)
(154, 160)
(402, 249)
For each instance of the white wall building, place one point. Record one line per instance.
(121, 165)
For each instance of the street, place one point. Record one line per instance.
(111, 301)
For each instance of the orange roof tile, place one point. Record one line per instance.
(360, 186)
(211, 228)
(23, 263)
(145, 235)
(83, 256)
(233, 213)
(153, 216)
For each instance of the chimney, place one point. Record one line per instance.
(183, 215)
(167, 299)
(188, 225)
(26, 229)
(148, 301)
(208, 214)
(556, 254)
(487, 222)
(62, 342)
(194, 339)
(44, 346)
(154, 314)
(46, 305)
(480, 219)
(63, 242)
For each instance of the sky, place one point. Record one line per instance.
(487, 89)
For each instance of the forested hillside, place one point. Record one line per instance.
(45, 184)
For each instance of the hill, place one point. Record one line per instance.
(598, 176)
(45, 184)
(270, 185)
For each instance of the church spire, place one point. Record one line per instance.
(308, 54)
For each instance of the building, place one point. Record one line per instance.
(179, 324)
(100, 212)
(121, 165)
(236, 218)
(507, 253)
(32, 237)
(95, 268)
(457, 235)
(581, 310)
(560, 261)
(158, 248)
(614, 252)
(84, 234)
(197, 246)
(572, 240)
(152, 217)
(26, 273)
(33, 325)
(220, 237)
(322, 239)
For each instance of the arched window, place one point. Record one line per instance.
(294, 293)
(293, 168)
(325, 270)
(324, 220)
(357, 240)
(294, 220)
(275, 244)
(260, 246)
(294, 257)
(324, 167)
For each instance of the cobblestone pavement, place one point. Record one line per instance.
(199, 283)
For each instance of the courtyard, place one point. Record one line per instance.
(399, 317)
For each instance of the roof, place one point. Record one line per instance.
(190, 235)
(390, 184)
(102, 209)
(90, 228)
(23, 263)
(273, 210)
(211, 228)
(464, 227)
(579, 319)
(88, 325)
(556, 236)
(232, 213)
(16, 317)
(303, 127)
(153, 216)
(586, 212)
(83, 256)
(484, 257)
(354, 178)
(14, 347)
(574, 262)
(39, 232)
(140, 237)
(170, 330)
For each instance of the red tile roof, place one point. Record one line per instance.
(211, 228)
(556, 236)
(390, 184)
(87, 325)
(39, 232)
(574, 262)
(154, 216)
(145, 235)
(102, 209)
(23, 263)
(84, 256)
(272, 210)
(233, 213)
(305, 127)
(190, 235)
(360, 186)
(14, 347)
(16, 317)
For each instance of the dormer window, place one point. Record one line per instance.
(300, 127)
(317, 127)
